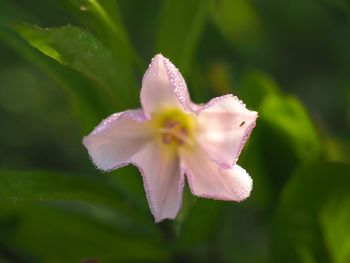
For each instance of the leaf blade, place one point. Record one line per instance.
(304, 222)
(76, 49)
(177, 37)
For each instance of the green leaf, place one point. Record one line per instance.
(70, 232)
(181, 24)
(284, 132)
(102, 17)
(334, 220)
(25, 186)
(86, 101)
(288, 117)
(88, 213)
(311, 222)
(81, 51)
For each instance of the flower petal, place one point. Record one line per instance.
(163, 179)
(163, 86)
(207, 179)
(112, 143)
(224, 126)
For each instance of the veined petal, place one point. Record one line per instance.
(116, 139)
(207, 179)
(224, 126)
(163, 179)
(163, 86)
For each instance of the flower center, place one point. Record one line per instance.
(175, 127)
(174, 132)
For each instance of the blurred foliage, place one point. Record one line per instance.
(65, 65)
(310, 225)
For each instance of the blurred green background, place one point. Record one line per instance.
(65, 65)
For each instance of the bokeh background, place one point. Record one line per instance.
(65, 65)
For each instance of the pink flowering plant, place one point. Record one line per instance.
(163, 155)
(171, 137)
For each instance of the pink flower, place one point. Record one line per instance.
(171, 136)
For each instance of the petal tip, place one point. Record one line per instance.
(255, 113)
(159, 58)
(160, 219)
(163, 86)
(86, 141)
(246, 185)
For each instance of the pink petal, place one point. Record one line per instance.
(163, 179)
(224, 127)
(163, 86)
(112, 143)
(207, 179)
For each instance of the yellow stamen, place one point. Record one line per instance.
(174, 126)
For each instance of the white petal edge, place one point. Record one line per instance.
(224, 125)
(163, 179)
(163, 86)
(117, 138)
(208, 180)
